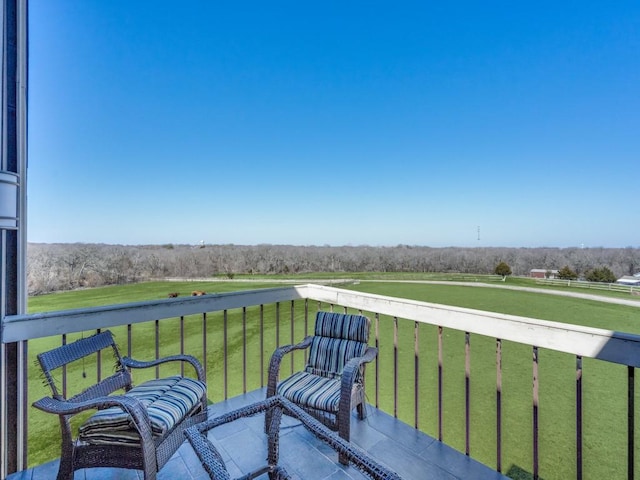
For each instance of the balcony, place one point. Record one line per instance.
(445, 394)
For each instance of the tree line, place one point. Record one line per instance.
(54, 267)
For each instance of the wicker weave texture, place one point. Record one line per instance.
(153, 451)
(275, 407)
(351, 377)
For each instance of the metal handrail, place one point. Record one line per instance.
(583, 342)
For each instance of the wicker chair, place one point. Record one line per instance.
(140, 429)
(331, 385)
(214, 464)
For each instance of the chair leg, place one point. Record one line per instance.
(268, 415)
(362, 411)
(65, 470)
(344, 430)
(150, 475)
(273, 434)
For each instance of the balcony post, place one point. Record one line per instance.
(13, 168)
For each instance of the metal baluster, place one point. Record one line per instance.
(224, 360)
(416, 375)
(261, 346)
(440, 405)
(204, 345)
(630, 421)
(277, 324)
(395, 367)
(292, 334)
(244, 350)
(306, 327)
(498, 405)
(129, 340)
(182, 343)
(64, 370)
(536, 399)
(578, 417)
(377, 322)
(99, 355)
(157, 347)
(467, 390)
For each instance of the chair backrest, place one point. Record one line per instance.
(72, 352)
(338, 338)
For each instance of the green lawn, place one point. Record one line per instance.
(604, 385)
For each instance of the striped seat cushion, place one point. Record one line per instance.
(167, 401)
(313, 391)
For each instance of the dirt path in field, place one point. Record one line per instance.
(586, 296)
(338, 281)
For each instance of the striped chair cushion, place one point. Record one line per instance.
(338, 338)
(167, 401)
(311, 391)
(340, 325)
(328, 356)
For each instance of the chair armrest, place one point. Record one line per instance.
(353, 365)
(276, 358)
(349, 375)
(369, 355)
(131, 405)
(131, 363)
(67, 407)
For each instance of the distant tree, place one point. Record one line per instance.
(55, 267)
(602, 274)
(565, 273)
(503, 269)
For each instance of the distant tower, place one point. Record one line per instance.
(478, 233)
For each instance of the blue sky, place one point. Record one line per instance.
(335, 123)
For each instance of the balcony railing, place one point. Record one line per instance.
(427, 373)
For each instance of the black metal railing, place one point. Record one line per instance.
(432, 361)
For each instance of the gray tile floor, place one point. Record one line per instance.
(413, 455)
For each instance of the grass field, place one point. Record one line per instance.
(604, 384)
